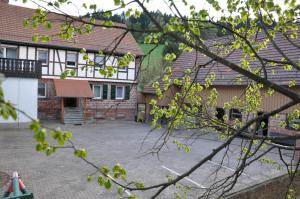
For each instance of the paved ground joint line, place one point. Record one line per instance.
(231, 169)
(186, 178)
(126, 191)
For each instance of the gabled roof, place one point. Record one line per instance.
(148, 89)
(226, 76)
(12, 30)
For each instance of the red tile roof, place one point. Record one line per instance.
(12, 29)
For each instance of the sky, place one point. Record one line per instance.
(152, 5)
(109, 4)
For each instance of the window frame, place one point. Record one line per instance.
(44, 50)
(121, 69)
(45, 89)
(123, 93)
(101, 66)
(101, 91)
(234, 118)
(3, 52)
(4, 47)
(76, 59)
(288, 126)
(124, 70)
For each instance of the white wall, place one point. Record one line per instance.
(22, 92)
(57, 64)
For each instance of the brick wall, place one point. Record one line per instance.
(49, 107)
(271, 189)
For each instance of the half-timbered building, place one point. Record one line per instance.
(87, 95)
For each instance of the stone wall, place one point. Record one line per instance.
(272, 189)
(113, 109)
(49, 107)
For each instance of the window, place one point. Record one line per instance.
(1, 52)
(294, 124)
(99, 61)
(97, 90)
(121, 68)
(41, 90)
(11, 52)
(120, 92)
(8, 52)
(42, 56)
(235, 114)
(71, 59)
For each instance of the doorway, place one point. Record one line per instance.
(263, 130)
(70, 102)
(220, 114)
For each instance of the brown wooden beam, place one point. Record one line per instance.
(62, 107)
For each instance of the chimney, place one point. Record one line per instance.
(4, 1)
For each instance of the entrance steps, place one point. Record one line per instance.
(73, 116)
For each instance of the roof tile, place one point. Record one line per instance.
(12, 29)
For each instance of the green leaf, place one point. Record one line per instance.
(100, 180)
(35, 38)
(49, 151)
(26, 23)
(40, 135)
(49, 24)
(236, 44)
(89, 178)
(137, 14)
(107, 184)
(81, 153)
(139, 185)
(45, 39)
(72, 73)
(68, 135)
(117, 2)
(39, 147)
(104, 170)
(120, 191)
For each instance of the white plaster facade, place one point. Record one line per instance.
(22, 92)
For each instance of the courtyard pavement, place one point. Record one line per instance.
(63, 176)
